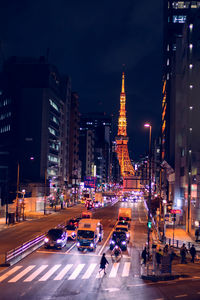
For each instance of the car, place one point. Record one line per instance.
(71, 231)
(125, 229)
(97, 204)
(56, 237)
(122, 223)
(118, 238)
(89, 204)
(73, 222)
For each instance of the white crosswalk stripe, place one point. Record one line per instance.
(114, 270)
(7, 274)
(63, 272)
(49, 273)
(126, 269)
(36, 273)
(89, 271)
(74, 271)
(21, 274)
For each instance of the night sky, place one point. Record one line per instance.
(90, 41)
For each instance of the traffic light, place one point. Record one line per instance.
(149, 224)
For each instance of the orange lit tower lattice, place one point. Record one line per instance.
(122, 138)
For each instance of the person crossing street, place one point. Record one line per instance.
(103, 263)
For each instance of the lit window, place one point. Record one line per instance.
(191, 27)
(168, 47)
(167, 76)
(52, 131)
(179, 19)
(54, 105)
(190, 66)
(168, 62)
(191, 86)
(190, 46)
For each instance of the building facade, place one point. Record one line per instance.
(34, 110)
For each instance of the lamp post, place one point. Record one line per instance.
(17, 197)
(23, 192)
(147, 125)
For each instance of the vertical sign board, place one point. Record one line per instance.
(90, 182)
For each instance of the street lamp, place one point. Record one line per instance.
(23, 192)
(147, 125)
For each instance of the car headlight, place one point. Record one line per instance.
(46, 240)
(91, 245)
(59, 241)
(73, 233)
(123, 243)
(78, 244)
(112, 242)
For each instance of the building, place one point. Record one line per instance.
(34, 126)
(180, 134)
(96, 144)
(74, 169)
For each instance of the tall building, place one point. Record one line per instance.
(34, 125)
(74, 140)
(180, 135)
(98, 127)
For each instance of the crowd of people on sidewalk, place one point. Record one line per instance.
(157, 256)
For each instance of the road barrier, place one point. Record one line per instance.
(16, 254)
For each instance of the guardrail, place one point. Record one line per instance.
(14, 255)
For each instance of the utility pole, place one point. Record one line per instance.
(17, 198)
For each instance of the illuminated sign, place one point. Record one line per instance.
(90, 182)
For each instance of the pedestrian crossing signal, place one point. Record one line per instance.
(149, 224)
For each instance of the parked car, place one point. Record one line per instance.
(56, 237)
(71, 231)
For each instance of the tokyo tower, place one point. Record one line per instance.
(122, 138)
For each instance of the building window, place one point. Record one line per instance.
(53, 158)
(5, 129)
(179, 19)
(4, 116)
(54, 105)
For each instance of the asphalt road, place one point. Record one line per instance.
(69, 274)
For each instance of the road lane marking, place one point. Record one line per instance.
(70, 248)
(114, 270)
(179, 296)
(21, 274)
(89, 271)
(101, 250)
(100, 274)
(36, 273)
(76, 272)
(7, 274)
(49, 273)
(63, 272)
(126, 269)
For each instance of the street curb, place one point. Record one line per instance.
(164, 277)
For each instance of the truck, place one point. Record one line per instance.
(89, 233)
(125, 214)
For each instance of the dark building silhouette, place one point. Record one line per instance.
(34, 126)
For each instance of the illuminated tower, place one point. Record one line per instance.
(122, 138)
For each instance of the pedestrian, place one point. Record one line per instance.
(183, 252)
(166, 249)
(103, 263)
(193, 253)
(158, 259)
(197, 235)
(172, 253)
(144, 256)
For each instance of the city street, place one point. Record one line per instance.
(69, 274)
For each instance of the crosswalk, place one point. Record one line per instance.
(67, 272)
